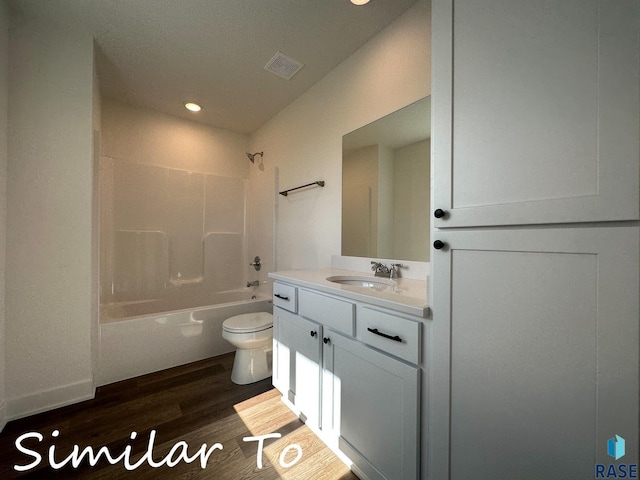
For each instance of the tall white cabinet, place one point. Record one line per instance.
(534, 337)
(535, 109)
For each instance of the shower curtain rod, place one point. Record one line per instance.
(320, 183)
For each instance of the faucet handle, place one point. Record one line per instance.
(256, 263)
(394, 271)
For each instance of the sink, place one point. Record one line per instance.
(375, 283)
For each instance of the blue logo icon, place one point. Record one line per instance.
(615, 447)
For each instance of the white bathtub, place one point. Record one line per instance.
(134, 341)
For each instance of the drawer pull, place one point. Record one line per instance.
(281, 297)
(377, 332)
(313, 333)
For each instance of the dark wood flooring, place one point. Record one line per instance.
(195, 403)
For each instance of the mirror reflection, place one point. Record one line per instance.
(385, 186)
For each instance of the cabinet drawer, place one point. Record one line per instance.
(336, 314)
(285, 296)
(395, 335)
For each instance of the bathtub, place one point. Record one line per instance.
(135, 341)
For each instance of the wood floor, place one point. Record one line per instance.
(195, 403)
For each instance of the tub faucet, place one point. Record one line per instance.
(255, 283)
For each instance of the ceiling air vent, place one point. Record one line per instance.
(283, 66)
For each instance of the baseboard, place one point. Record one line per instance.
(45, 400)
(3, 415)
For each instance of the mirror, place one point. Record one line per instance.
(385, 186)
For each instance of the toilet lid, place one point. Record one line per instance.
(248, 322)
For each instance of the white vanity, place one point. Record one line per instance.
(348, 359)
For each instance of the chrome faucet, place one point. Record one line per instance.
(380, 269)
(255, 283)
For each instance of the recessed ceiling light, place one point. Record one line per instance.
(194, 107)
(359, 2)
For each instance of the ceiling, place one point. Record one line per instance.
(158, 54)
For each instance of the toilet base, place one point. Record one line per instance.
(251, 365)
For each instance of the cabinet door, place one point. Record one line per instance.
(370, 400)
(281, 377)
(533, 353)
(299, 340)
(535, 111)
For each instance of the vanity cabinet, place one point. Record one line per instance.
(351, 372)
(285, 303)
(297, 363)
(370, 404)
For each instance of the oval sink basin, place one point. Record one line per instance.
(366, 282)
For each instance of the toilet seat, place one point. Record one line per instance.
(248, 323)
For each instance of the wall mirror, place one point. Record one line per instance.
(385, 186)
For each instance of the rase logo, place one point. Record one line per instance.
(616, 449)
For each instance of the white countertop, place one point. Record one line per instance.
(407, 296)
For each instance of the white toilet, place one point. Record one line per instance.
(252, 335)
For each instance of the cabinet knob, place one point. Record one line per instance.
(313, 333)
(438, 244)
(439, 213)
(326, 340)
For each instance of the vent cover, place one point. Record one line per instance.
(283, 66)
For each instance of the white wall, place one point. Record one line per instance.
(303, 143)
(146, 136)
(49, 269)
(4, 92)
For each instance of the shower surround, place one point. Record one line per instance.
(173, 266)
(169, 233)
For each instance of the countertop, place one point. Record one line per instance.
(407, 296)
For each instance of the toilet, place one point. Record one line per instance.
(252, 335)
